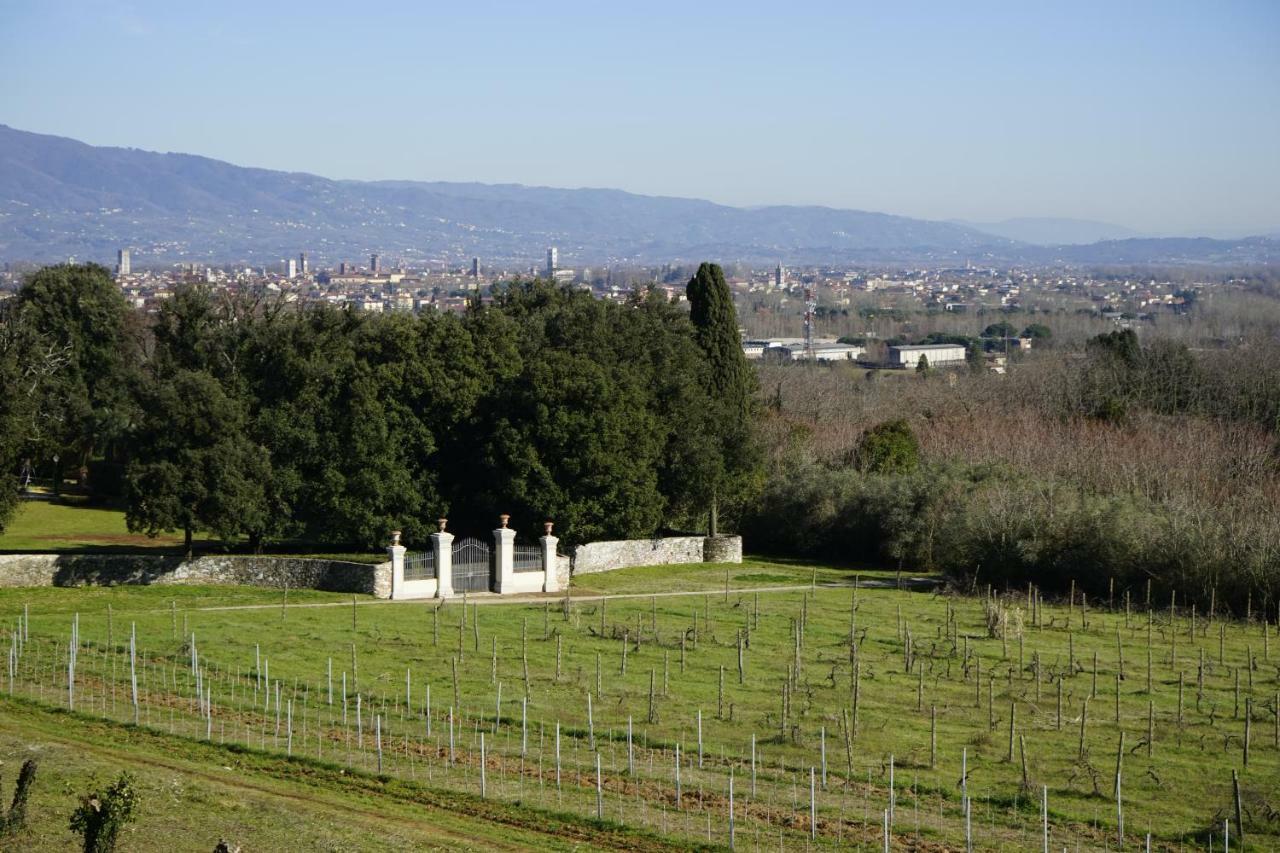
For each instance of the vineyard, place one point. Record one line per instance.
(764, 714)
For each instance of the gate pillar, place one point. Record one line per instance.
(396, 551)
(504, 551)
(442, 545)
(550, 562)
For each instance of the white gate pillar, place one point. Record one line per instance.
(550, 562)
(396, 551)
(504, 553)
(442, 546)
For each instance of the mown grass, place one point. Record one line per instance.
(1179, 792)
(69, 525)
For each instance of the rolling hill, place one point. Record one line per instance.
(62, 198)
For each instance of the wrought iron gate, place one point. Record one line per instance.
(472, 566)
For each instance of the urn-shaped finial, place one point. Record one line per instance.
(442, 522)
(546, 527)
(504, 518)
(395, 538)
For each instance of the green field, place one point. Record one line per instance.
(70, 526)
(1177, 786)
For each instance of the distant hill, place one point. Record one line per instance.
(61, 198)
(1048, 231)
(1161, 250)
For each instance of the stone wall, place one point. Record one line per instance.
(722, 549)
(607, 556)
(275, 572)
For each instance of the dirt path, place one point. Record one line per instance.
(918, 584)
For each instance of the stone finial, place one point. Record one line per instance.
(442, 522)
(395, 537)
(546, 528)
(504, 518)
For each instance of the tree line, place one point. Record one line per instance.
(266, 421)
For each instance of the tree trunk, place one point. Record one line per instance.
(186, 541)
(714, 527)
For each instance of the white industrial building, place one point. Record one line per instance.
(938, 355)
(788, 349)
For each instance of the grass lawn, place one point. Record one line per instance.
(69, 525)
(1022, 710)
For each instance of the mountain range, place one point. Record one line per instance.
(60, 198)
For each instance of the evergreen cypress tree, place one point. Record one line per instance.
(731, 382)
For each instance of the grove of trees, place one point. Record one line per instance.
(265, 421)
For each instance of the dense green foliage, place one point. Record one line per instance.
(78, 311)
(727, 463)
(271, 422)
(16, 403)
(889, 448)
(728, 466)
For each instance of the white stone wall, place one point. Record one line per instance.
(519, 582)
(621, 554)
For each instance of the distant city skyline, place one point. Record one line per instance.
(1152, 117)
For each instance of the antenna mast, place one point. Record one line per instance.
(809, 305)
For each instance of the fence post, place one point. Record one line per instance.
(504, 550)
(550, 562)
(396, 551)
(442, 545)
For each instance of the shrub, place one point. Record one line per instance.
(889, 448)
(101, 816)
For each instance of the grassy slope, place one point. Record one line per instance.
(1179, 791)
(195, 793)
(70, 526)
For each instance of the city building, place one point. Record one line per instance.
(373, 264)
(475, 267)
(553, 261)
(302, 263)
(291, 269)
(122, 262)
(779, 277)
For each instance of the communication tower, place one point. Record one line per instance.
(810, 304)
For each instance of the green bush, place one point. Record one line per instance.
(101, 815)
(889, 448)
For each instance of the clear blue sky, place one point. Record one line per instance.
(1161, 116)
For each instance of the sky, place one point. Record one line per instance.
(1163, 117)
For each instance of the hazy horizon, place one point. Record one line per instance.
(1158, 120)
